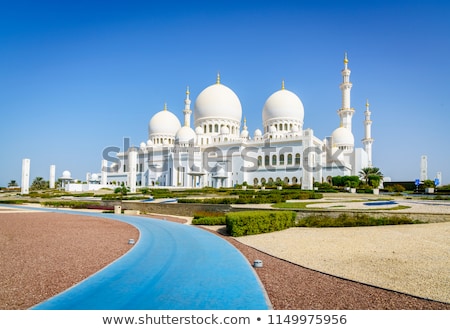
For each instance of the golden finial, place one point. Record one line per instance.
(218, 78)
(282, 84)
(245, 121)
(165, 106)
(367, 103)
(187, 90)
(345, 58)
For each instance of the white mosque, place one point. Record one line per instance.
(218, 152)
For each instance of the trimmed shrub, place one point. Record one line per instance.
(209, 218)
(210, 221)
(13, 201)
(258, 222)
(203, 214)
(348, 220)
(73, 204)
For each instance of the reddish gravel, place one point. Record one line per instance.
(45, 253)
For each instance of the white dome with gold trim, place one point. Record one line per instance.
(283, 109)
(217, 103)
(343, 137)
(164, 123)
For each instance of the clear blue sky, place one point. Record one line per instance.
(79, 76)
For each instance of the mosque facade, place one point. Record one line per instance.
(217, 151)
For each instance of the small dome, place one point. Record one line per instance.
(224, 130)
(343, 137)
(272, 129)
(199, 130)
(217, 102)
(244, 134)
(185, 135)
(283, 104)
(94, 177)
(149, 142)
(257, 132)
(142, 145)
(163, 123)
(66, 175)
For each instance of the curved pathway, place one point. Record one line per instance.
(172, 266)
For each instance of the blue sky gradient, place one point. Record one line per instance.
(79, 76)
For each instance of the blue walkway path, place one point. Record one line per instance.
(172, 266)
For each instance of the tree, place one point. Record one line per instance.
(39, 183)
(374, 180)
(366, 172)
(121, 190)
(12, 183)
(351, 181)
(429, 184)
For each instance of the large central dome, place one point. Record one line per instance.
(217, 102)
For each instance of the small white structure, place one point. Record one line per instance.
(65, 179)
(25, 185)
(52, 176)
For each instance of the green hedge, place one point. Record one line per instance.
(258, 222)
(348, 220)
(72, 204)
(257, 197)
(210, 221)
(14, 201)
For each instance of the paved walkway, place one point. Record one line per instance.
(171, 267)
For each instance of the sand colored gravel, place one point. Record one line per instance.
(413, 259)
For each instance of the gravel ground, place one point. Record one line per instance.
(45, 253)
(413, 259)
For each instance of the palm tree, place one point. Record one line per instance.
(372, 176)
(366, 172)
(39, 183)
(12, 183)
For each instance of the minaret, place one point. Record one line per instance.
(367, 141)
(346, 112)
(187, 109)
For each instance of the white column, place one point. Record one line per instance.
(52, 177)
(132, 162)
(104, 170)
(308, 158)
(25, 185)
(423, 168)
(439, 177)
(367, 141)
